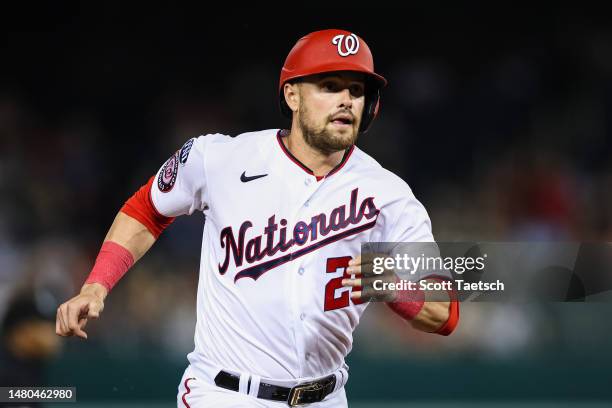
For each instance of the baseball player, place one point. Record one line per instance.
(286, 213)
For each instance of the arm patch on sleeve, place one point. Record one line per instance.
(184, 152)
(168, 173)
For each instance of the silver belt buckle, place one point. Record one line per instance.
(295, 395)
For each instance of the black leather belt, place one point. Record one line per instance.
(304, 393)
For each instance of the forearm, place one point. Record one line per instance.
(126, 241)
(432, 311)
(435, 310)
(130, 234)
(432, 316)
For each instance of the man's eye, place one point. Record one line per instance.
(330, 86)
(356, 90)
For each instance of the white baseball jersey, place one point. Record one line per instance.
(275, 246)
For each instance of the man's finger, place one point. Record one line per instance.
(62, 319)
(77, 329)
(351, 282)
(73, 314)
(354, 270)
(357, 297)
(359, 260)
(58, 327)
(93, 310)
(75, 311)
(368, 293)
(80, 332)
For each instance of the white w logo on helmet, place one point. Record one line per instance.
(350, 44)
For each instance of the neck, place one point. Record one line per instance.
(318, 161)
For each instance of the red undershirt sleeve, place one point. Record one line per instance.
(140, 207)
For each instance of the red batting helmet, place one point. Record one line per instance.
(329, 51)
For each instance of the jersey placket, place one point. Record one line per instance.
(299, 282)
(301, 191)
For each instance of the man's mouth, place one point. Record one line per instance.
(342, 120)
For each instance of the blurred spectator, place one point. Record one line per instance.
(28, 340)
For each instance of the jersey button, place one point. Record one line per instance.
(307, 203)
(302, 316)
(301, 271)
(307, 182)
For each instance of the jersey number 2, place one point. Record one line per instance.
(331, 301)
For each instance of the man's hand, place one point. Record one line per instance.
(363, 284)
(435, 310)
(72, 315)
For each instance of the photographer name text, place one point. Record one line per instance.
(445, 285)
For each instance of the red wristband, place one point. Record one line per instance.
(112, 263)
(408, 303)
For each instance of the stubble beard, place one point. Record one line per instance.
(321, 138)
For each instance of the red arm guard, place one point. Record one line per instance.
(453, 311)
(453, 319)
(410, 303)
(140, 207)
(112, 263)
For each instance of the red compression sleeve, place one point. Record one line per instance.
(408, 303)
(140, 207)
(453, 319)
(453, 311)
(112, 263)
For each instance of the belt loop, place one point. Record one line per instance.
(255, 381)
(243, 384)
(341, 378)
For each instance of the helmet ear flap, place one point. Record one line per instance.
(370, 110)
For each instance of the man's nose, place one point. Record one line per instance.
(346, 100)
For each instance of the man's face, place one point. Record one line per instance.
(330, 109)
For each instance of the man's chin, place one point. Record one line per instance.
(342, 138)
(333, 138)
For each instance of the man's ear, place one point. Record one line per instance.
(292, 95)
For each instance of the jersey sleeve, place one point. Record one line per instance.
(412, 223)
(410, 235)
(180, 187)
